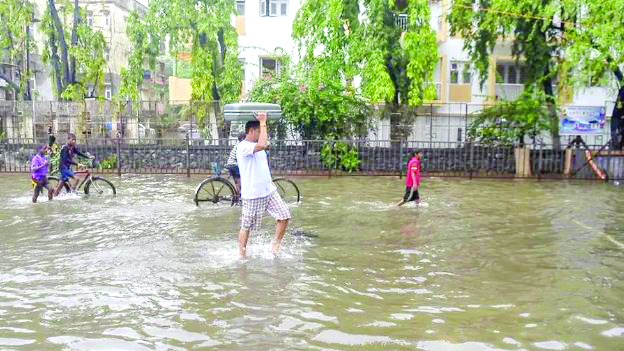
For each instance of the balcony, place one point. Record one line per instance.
(402, 21)
(509, 92)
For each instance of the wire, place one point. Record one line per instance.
(511, 14)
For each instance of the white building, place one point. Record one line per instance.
(265, 34)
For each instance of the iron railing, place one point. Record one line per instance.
(305, 157)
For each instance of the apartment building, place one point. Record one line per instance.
(265, 36)
(109, 17)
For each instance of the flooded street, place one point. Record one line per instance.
(479, 265)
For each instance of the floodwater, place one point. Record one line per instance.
(479, 265)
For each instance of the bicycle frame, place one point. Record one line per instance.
(84, 180)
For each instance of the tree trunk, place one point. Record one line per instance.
(552, 110)
(74, 40)
(58, 26)
(28, 92)
(56, 63)
(617, 139)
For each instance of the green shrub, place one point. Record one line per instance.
(340, 156)
(109, 163)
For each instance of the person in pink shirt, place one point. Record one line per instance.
(412, 178)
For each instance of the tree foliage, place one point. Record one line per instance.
(204, 28)
(16, 45)
(346, 41)
(509, 122)
(74, 51)
(595, 53)
(535, 30)
(317, 112)
(562, 43)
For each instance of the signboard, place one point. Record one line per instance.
(582, 120)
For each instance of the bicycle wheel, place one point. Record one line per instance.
(287, 189)
(52, 184)
(99, 186)
(214, 190)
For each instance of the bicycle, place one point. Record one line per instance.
(92, 185)
(216, 189)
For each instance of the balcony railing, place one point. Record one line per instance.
(402, 21)
(509, 92)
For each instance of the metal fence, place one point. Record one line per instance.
(305, 157)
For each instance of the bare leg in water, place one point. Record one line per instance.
(243, 237)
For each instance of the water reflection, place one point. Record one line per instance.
(506, 265)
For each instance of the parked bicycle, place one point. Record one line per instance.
(92, 185)
(218, 189)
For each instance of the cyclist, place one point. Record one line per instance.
(67, 154)
(232, 166)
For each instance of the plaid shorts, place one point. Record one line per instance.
(253, 209)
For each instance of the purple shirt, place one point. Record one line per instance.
(38, 161)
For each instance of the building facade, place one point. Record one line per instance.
(265, 36)
(110, 17)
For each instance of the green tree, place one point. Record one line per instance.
(74, 51)
(16, 45)
(535, 29)
(595, 53)
(205, 28)
(509, 122)
(343, 41)
(325, 111)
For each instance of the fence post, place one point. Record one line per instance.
(131, 162)
(188, 157)
(471, 167)
(401, 159)
(119, 157)
(541, 162)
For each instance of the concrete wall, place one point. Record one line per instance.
(179, 90)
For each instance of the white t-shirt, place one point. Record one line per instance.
(256, 181)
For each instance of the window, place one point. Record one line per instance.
(273, 8)
(108, 92)
(460, 73)
(90, 19)
(107, 55)
(240, 7)
(106, 20)
(269, 67)
(509, 73)
(283, 8)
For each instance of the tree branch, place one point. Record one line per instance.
(74, 40)
(55, 61)
(61, 39)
